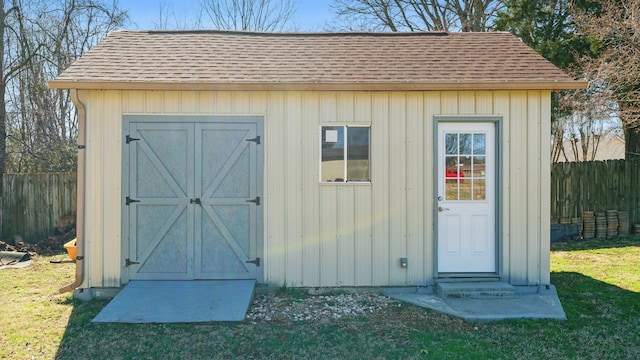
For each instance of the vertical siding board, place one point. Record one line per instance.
(449, 103)
(94, 170)
(112, 188)
(258, 103)
(328, 107)
(346, 235)
(189, 103)
(134, 101)
(397, 186)
(362, 107)
(171, 102)
(241, 102)
(502, 107)
(432, 107)
(293, 187)
(467, 103)
(484, 103)
(415, 224)
(275, 245)
(545, 191)
(380, 187)
(311, 189)
(153, 102)
(328, 235)
(206, 102)
(345, 107)
(519, 188)
(224, 102)
(363, 229)
(534, 190)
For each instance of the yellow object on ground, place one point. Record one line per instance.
(71, 249)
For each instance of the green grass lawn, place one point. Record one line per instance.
(598, 283)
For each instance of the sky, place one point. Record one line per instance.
(312, 15)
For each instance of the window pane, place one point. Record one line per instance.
(451, 190)
(479, 144)
(479, 190)
(451, 144)
(465, 189)
(478, 167)
(332, 167)
(464, 168)
(358, 154)
(465, 144)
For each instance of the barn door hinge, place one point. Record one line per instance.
(255, 261)
(255, 140)
(129, 200)
(255, 201)
(128, 262)
(130, 139)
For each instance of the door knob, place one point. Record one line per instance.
(441, 209)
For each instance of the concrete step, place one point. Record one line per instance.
(474, 289)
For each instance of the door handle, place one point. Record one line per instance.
(441, 209)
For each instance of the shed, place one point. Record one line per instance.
(313, 159)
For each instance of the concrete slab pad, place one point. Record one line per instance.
(524, 304)
(179, 302)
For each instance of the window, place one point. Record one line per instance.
(344, 154)
(465, 159)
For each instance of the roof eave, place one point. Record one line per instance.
(319, 86)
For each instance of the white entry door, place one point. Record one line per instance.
(466, 199)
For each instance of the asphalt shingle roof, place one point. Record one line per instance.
(377, 61)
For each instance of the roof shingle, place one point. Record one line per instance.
(376, 61)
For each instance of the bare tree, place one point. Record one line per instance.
(417, 15)
(589, 122)
(616, 68)
(39, 40)
(252, 15)
(168, 18)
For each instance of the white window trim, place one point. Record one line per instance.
(344, 155)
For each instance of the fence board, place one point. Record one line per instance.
(34, 204)
(595, 186)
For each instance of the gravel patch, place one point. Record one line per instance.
(272, 307)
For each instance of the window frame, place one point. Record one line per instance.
(344, 154)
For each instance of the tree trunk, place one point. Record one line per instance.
(3, 104)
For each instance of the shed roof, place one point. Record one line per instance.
(224, 60)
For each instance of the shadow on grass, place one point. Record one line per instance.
(602, 324)
(572, 245)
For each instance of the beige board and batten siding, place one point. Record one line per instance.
(340, 234)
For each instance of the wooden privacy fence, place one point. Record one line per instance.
(595, 186)
(34, 204)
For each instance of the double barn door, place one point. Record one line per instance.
(192, 198)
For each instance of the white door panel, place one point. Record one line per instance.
(466, 199)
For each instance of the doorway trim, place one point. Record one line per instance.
(497, 121)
